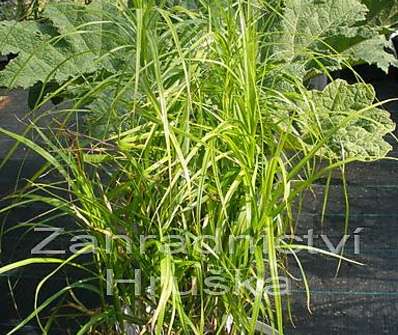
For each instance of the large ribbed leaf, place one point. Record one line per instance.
(75, 39)
(326, 28)
(360, 137)
(308, 23)
(373, 51)
(382, 13)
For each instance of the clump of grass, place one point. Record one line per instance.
(184, 168)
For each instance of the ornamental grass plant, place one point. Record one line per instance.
(186, 140)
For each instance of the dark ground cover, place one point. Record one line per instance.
(361, 299)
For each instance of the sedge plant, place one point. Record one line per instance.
(183, 155)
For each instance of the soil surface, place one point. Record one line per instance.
(360, 299)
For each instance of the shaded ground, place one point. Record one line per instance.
(361, 299)
(15, 116)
